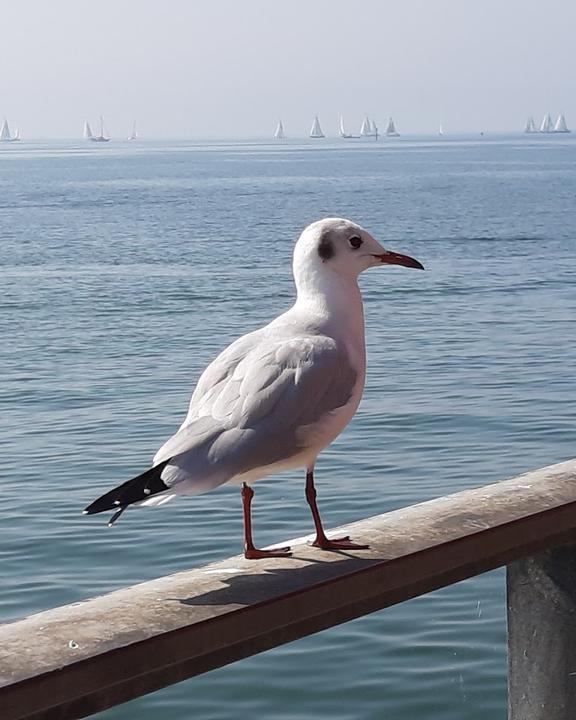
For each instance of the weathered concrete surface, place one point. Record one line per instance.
(541, 595)
(75, 660)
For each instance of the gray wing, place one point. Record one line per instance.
(252, 402)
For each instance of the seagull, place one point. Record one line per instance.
(276, 397)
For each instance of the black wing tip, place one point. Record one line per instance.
(116, 515)
(138, 488)
(96, 507)
(90, 509)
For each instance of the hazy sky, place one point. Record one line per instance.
(224, 68)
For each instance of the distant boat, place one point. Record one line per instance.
(6, 136)
(440, 131)
(133, 135)
(279, 132)
(342, 130)
(89, 135)
(316, 130)
(530, 126)
(391, 129)
(546, 126)
(366, 128)
(561, 126)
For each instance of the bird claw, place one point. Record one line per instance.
(343, 543)
(255, 554)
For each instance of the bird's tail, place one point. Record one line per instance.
(139, 488)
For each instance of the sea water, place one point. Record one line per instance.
(126, 267)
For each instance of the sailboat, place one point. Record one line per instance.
(316, 130)
(546, 126)
(561, 126)
(279, 132)
(440, 131)
(342, 130)
(530, 126)
(89, 135)
(391, 129)
(366, 128)
(133, 135)
(5, 135)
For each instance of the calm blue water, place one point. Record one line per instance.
(124, 269)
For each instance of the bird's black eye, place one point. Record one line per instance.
(355, 242)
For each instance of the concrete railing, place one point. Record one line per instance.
(78, 659)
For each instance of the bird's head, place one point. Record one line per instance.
(343, 247)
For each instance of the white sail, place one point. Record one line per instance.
(440, 131)
(133, 135)
(5, 132)
(6, 135)
(342, 130)
(546, 125)
(374, 129)
(561, 126)
(366, 129)
(391, 129)
(102, 137)
(279, 132)
(530, 125)
(89, 135)
(316, 130)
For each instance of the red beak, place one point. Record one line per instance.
(392, 258)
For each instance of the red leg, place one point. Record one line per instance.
(250, 552)
(321, 541)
